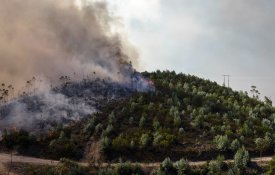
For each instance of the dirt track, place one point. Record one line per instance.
(5, 159)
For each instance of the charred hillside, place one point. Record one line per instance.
(70, 101)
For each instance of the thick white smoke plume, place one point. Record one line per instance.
(51, 38)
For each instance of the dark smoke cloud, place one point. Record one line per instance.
(50, 38)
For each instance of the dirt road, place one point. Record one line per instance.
(5, 158)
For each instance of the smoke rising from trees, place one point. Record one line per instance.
(58, 44)
(51, 38)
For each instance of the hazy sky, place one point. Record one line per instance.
(205, 38)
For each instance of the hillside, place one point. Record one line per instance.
(182, 117)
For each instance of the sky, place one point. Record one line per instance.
(204, 38)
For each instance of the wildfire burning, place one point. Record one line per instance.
(48, 38)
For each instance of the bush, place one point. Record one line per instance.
(41, 170)
(105, 144)
(271, 167)
(107, 171)
(215, 166)
(64, 148)
(182, 167)
(235, 145)
(166, 168)
(163, 140)
(67, 167)
(241, 158)
(144, 140)
(142, 122)
(128, 169)
(221, 142)
(120, 143)
(122, 169)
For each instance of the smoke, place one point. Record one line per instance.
(72, 101)
(40, 112)
(68, 50)
(50, 38)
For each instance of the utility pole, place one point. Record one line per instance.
(228, 79)
(228, 76)
(224, 79)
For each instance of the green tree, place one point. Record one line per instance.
(235, 145)
(105, 144)
(142, 122)
(268, 101)
(177, 121)
(215, 166)
(167, 167)
(182, 166)
(112, 118)
(221, 142)
(156, 124)
(128, 169)
(144, 140)
(241, 158)
(261, 144)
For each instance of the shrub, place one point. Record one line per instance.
(144, 140)
(63, 147)
(41, 170)
(109, 129)
(182, 167)
(163, 140)
(167, 168)
(120, 143)
(107, 171)
(105, 144)
(67, 167)
(271, 167)
(221, 142)
(181, 131)
(142, 122)
(128, 169)
(156, 124)
(235, 145)
(89, 128)
(241, 158)
(215, 166)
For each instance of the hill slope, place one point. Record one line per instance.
(183, 117)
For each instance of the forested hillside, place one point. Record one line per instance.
(183, 117)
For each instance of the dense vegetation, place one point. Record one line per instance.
(185, 117)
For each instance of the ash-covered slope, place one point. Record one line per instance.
(71, 101)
